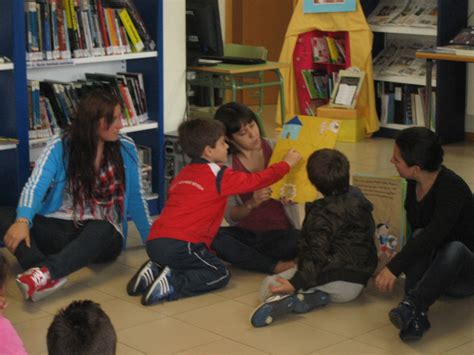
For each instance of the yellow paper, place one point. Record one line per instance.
(305, 134)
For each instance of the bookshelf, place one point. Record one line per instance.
(312, 54)
(15, 162)
(450, 79)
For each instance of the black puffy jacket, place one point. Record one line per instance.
(337, 241)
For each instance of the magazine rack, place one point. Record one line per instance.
(450, 80)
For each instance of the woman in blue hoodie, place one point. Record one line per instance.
(73, 209)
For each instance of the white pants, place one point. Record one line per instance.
(338, 291)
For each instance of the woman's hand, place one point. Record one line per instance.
(385, 280)
(260, 196)
(286, 288)
(18, 232)
(285, 201)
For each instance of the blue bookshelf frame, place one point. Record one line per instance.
(14, 163)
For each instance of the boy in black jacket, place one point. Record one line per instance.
(336, 250)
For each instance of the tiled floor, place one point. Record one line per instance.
(218, 323)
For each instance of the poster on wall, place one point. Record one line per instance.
(320, 6)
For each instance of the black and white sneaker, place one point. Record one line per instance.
(160, 290)
(144, 277)
(274, 307)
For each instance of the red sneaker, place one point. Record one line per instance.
(36, 283)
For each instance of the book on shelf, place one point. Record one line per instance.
(457, 49)
(347, 88)
(8, 140)
(403, 104)
(53, 104)
(64, 29)
(144, 157)
(4, 59)
(465, 37)
(327, 49)
(416, 13)
(387, 195)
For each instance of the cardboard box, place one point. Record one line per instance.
(352, 123)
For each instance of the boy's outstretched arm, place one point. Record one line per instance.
(236, 182)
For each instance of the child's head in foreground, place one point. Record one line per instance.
(201, 138)
(81, 328)
(328, 171)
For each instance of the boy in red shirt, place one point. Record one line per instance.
(181, 263)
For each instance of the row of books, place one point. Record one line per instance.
(327, 49)
(404, 104)
(398, 58)
(144, 157)
(53, 104)
(319, 83)
(416, 13)
(64, 29)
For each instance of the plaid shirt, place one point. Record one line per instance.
(108, 193)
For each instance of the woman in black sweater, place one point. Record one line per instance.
(439, 257)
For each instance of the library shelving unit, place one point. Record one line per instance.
(303, 60)
(450, 81)
(15, 163)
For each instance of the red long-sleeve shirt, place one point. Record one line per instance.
(197, 199)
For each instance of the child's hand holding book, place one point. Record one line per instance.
(292, 157)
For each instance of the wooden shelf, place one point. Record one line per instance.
(89, 60)
(6, 66)
(419, 31)
(412, 80)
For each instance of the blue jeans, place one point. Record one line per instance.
(61, 246)
(256, 251)
(450, 271)
(194, 269)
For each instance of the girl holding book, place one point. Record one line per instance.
(263, 232)
(73, 209)
(439, 257)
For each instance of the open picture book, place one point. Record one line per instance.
(387, 194)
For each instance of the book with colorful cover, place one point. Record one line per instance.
(306, 134)
(387, 194)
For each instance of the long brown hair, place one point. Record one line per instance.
(81, 140)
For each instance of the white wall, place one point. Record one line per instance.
(174, 48)
(470, 84)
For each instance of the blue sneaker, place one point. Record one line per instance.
(161, 289)
(274, 307)
(402, 315)
(306, 301)
(418, 326)
(144, 277)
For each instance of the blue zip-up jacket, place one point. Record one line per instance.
(44, 190)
